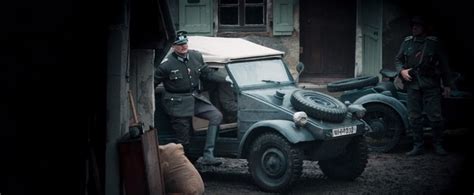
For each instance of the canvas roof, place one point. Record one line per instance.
(224, 50)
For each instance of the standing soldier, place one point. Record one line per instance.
(424, 69)
(180, 73)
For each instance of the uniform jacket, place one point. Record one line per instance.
(181, 80)
(428, 71)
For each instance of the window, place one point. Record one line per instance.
(242, 15)
(261, 73)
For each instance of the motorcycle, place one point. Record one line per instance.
(387, 107)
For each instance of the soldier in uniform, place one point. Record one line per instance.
(424, 69)
(180, 73)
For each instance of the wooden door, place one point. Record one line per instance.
(328, 38)
(370, 15)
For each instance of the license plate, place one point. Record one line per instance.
(344, 131)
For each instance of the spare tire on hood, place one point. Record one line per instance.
(319, 105)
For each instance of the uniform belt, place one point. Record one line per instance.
(182, 92)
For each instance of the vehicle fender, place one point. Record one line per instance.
(387, 100)
(286, 128)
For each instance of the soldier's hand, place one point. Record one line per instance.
(405, 74)
(446, 91)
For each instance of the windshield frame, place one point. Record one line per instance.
(261, 85)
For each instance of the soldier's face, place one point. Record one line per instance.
(181, 49)
(417, 30)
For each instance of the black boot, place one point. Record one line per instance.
(417, 150)
(417, 143)
(439, 150)
(438, 139)
(208, 155)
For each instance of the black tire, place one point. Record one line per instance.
(348, 165)
(274, 163)
(352, 83)
(386, 127)
(319, 105)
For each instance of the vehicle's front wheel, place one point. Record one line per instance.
(274, 162)
(348, 165)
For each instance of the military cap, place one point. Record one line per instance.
(181, 37)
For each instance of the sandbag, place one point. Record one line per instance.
(179, 173)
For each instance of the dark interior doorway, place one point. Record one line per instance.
(328, 38)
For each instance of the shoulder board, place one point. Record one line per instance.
(408, 38)
(433, 38)
(191, 51)
(164, 60)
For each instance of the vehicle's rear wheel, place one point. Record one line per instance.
(319, 105)
(352, 83)
(275, 164)
(348, 165)
(386, 127)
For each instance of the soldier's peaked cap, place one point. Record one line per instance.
(181, 37)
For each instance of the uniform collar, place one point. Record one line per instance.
(419, 39)
(180, 58)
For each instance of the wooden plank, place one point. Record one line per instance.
(132, 167)
(140, 168)
(141, 84)
(152, 162)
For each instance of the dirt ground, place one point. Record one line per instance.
(391, 173)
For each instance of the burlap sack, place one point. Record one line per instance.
(179, 173)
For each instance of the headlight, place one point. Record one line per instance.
(300, 118)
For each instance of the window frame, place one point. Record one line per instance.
(241, 26)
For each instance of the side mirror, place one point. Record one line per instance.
(299, 68)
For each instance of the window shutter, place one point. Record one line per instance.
(282, 17)
(195, 16)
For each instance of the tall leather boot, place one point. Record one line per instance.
(208, 155)
(417, 142)
(438, 139)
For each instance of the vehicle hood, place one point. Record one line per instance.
(271, 107)
(270, 96)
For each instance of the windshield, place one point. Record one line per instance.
(262, 72)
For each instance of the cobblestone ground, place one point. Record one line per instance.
(392, 173)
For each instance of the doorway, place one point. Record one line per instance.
(328, 38)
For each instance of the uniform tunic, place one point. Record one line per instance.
(181, 77)
(429, 72)
(182, 99)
